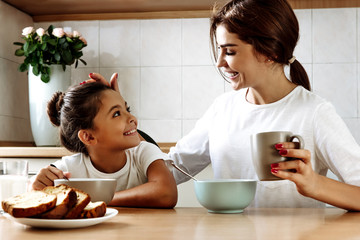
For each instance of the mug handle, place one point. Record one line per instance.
(300, 139)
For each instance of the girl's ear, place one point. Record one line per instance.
(86, 137)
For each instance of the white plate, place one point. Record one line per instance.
(64, 223)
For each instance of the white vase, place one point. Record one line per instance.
(44, 133)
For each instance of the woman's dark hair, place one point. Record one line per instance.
(75, 110)
(270, 26)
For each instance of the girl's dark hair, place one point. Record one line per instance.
(270, 26)
(75, 110)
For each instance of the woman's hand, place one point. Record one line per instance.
(298, 170)
(46, 177)
(96, 77)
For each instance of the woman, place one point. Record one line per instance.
(252, 42)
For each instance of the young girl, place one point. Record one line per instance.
(96, 122)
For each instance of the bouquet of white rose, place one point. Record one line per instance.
(53, 46)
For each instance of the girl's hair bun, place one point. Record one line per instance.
(54, 108)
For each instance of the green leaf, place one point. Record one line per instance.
(78, 46)
(83, 62)
(23, 67)
(45, 77)
(43, 46)
(69, 39)
(26, 47)
(36, 70)
(18, 43)
(19, 52)
(52, 42)
(32, 48)
(57, 56)
(67, 56)
(62, 40)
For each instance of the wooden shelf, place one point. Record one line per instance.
(50, 152)
(64, 10)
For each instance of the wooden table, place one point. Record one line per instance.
(197, 223)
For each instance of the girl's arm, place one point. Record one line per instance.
(311, 184)
(159, 192)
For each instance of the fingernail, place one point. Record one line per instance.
(91, 74)
(116, 75)
(274, 170)
(82, 82)
(274, 165)
(283, 152)
(279, 145)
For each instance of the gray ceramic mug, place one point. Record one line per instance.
(264, 152)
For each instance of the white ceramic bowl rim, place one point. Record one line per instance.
(227, 180)
(87, 179)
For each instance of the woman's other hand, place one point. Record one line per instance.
(298, 170)
(96, 77)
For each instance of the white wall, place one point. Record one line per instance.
(14, 109)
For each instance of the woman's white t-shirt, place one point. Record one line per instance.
(222, 137)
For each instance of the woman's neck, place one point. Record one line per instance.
(108, 162)
(271, 89)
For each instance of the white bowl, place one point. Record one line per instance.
(225, 195)
(98, 189)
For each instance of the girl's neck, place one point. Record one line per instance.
(108, 162)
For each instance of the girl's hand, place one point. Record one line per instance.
(96, 77)
(46, 177)
(299, 170)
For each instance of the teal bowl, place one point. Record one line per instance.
(225, 195)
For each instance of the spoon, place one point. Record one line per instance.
(187, 174)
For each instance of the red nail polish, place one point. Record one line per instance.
(278, 146)
(274, 165)
(82, 82)
(274, 170)
(283, 152)
(91, 74)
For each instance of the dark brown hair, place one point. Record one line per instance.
(270, 26)
(75, 110)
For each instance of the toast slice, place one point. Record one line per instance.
(29, 204)
(66, 199)
(83, 199)
(94, 210)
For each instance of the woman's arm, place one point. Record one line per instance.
(311, 184)
(159, 192)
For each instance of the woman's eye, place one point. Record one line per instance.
(128, 109)
(116, 114)
(229, 53)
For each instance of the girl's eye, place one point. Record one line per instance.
(116, 114)
(128, 109)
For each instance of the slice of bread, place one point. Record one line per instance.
(66, 199)
(94, 210)
(83, 199)
(29, 204)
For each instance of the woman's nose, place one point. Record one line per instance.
(220, 61)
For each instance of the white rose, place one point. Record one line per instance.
(83, 40)
(58, 32)
(27, 31)
(76, 34)
(69, 34)
(40, 32)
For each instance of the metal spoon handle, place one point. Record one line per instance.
(187, 174)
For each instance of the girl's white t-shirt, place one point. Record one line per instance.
(134, 172)
(222, 137)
